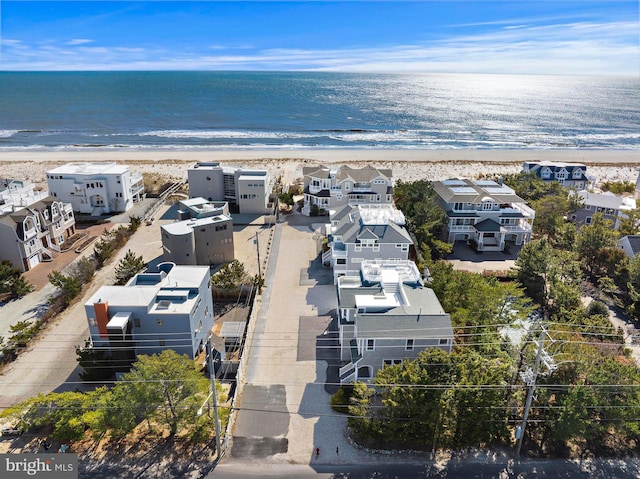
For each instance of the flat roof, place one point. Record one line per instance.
(187, 226)
(89, 169)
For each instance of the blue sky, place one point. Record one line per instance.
(497, 36)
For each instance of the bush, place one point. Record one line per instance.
(341, 400)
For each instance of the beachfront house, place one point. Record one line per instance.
(386, 315)
(169, 309)
(357, 233)
(485, 213)
(248, 191)
(35, 233)
(16, 194)
(611, 206)
(96, 188)
(202, 236)
(329, 188)
(571, 175)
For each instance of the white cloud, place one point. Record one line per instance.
(79, 41)
(568, 48)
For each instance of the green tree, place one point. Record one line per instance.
(68, 285)
(633, 287)
(164, 387)
(95, 363)
(12, 281)
(419, 203)
(551, 277)
(231, 276)
(592, 240)
(128, 267)
(629, 225)
(479, 306)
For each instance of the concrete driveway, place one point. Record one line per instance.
(465, 259)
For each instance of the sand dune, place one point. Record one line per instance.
(407, 165)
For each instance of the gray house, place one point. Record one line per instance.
(170, 309)
(630, 244)
(611, 206)
(329, 188)
(387, 315)
(365, 232)
(249, 190)
(203, 237)
(485, 212)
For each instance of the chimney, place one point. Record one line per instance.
(102, 317)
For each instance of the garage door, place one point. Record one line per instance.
(34, 261)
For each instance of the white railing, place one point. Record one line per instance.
(462, 228)
(349, 373)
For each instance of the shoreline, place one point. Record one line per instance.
(591, 156)
(406, 165)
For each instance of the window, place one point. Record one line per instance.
(341, 261)
(409, 345)
(159, 322)
(371, 344)
(587, 220)
(92, 321)
(587, 207)
(487, 205)
(443, 342)
(391, 362)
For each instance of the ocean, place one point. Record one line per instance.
(258, 110)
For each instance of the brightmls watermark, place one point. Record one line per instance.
(51, 466)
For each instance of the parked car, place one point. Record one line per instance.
(10, 431)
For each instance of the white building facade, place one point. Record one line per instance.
(35, 233)
(96, 188)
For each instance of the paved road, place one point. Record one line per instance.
(50, 363)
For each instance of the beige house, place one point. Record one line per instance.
(34, 233)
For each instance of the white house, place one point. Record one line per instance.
(486, 212)
(16, 194)
(385, 316)
(96, 188)
(329, 188)
(170, 309)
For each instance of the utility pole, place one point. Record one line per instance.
(258, 251)
(212, 376)
(530, 377)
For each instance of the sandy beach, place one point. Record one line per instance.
(407, 165)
